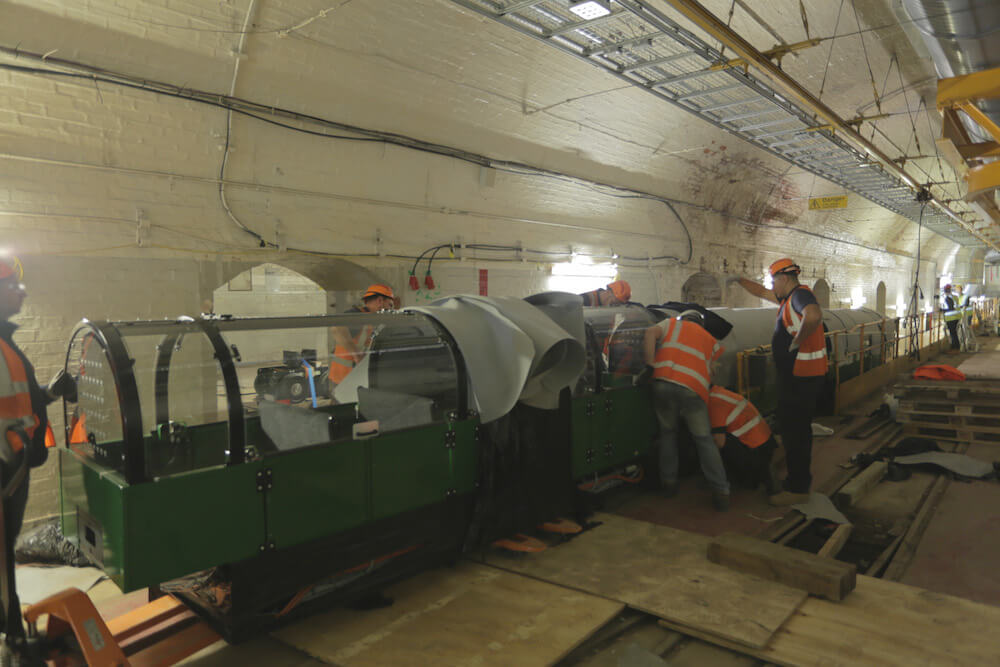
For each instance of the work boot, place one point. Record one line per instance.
(668, 489)
(786, 498)
(771, 485)
(720, 501)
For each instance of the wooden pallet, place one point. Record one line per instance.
(978, 408)
(931, 390)
(953, 435)
(958, 422)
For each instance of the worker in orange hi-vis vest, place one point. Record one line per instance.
(24, 430)
(616, 293)
(799, 350)
(679, 355)
(743, 438)
(352, 345)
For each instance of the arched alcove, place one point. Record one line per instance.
(822, 292)
(340, 279)
(702, 288)
(880, 299)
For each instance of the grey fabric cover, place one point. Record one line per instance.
(394, 410)
(957, 463)
(513, 350)
(820, 507)
(290, 427)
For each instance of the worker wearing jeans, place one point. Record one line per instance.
(679, 354)
(674, 402)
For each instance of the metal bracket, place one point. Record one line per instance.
(609, 405)
(265, 480)
(450, 439)
(589, 456)
(590, 408)
(609, 448)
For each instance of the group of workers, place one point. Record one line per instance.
(680, 355)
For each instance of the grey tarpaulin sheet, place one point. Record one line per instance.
(820, 507)
(957, 463)
(513, 351)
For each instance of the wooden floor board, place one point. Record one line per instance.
(467, 615)
(664, 572)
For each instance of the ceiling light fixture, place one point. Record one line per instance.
(591, 9)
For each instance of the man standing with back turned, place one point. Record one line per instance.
(799, 350)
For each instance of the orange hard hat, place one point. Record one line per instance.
(621, 289)
(10, 267)
(784, 265)
(378, 290)
(947, 288)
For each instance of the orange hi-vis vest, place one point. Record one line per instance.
(343, 362)
(738, 416)
(684, 356)
(15, 401)
(811, 358)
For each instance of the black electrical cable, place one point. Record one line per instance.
(230, 104)
(923, 197)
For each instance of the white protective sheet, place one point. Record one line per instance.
(513, 350)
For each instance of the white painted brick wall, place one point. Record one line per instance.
(78, 163)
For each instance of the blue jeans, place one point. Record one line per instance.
(672, 402)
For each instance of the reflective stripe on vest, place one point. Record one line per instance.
(15, 399)
(810, 359)
(742, 421)
(344, 358)
(683, 356)
(952, 313)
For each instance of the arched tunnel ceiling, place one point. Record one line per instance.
(436, 71)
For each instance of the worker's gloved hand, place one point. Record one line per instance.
(644, 377)
(62, 385)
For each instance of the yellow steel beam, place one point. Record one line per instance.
(777, 53)
(708, 22)
(980, 150)
(983, 179)
(984, 121)
(959, 90)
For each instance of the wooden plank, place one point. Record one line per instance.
(911, 539)
(954, 435)
(836, 542)
(664, 572)
(469, 614)
(883, 558)
(851, 492)
(955, 422)
(882, 624)
(812, 573)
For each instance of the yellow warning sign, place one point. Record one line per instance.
(824, 203)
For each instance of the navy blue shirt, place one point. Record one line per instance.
(784, 359)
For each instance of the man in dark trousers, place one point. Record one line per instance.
(799, 350)
(24, 434)
(952, 313)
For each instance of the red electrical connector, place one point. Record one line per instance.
(414, 283)
(429, 280)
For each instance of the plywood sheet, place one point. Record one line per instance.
(883, 623)
(664, 572)
(467, 615)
